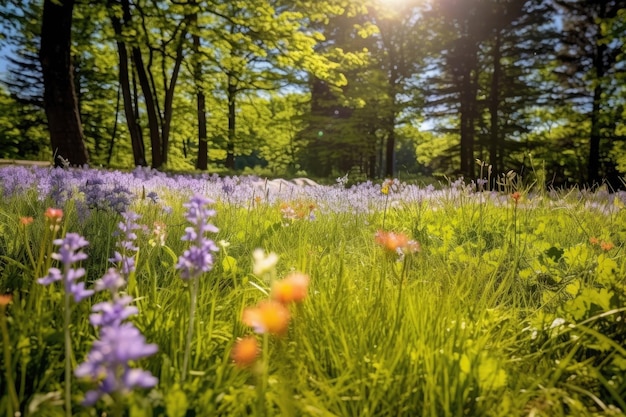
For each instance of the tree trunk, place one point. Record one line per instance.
(230, 146)
(169, 100)
(595, 136)
(467, 108)
(494, 105)
(390, 146)
(136, 138)
(60, 102)
(202, 160)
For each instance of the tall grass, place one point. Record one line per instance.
(508, 309)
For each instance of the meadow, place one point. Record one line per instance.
(146, 294)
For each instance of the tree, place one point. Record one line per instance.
(398, 55)
(589, 63)
(61, 105)
(160, 40)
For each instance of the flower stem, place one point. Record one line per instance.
(193, 288)
(68, 353)
(15, 403)
(263, 376)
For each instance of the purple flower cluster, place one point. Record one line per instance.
(108, 361)
(120, 342)
(198, 259)
(70, 252)
(125, 257)
(100, 196)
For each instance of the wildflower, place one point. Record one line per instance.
(153, 196)
(413, 246)
(594, 240)
(199, 257)
(70, 252)
(5, 299)
(159, 233)
(54, 217)
(293, 288)
(108, 362)
(54, 214)
(112, 313)
(516, 196)
(262, 263)
(391, 241)
(125, 257)
(111, 281)
(606, 246)
(385, 187)
(25, 221)
(267, 317)
(245, 351)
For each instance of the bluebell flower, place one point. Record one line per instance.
(198, 259)
(108, 362)
(152, 196)
(125, 257)
(111, 281)
(112, 313)
(69, 252)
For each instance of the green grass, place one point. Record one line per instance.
(462, 328)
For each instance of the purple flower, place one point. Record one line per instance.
(68, 254)
(125, 257)
(198, 259)
(112, 313)
(111, 281)
(108, 362)
(69, 249)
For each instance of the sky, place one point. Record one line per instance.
(4, 52)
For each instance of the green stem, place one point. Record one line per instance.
(262, 383)
(193, 288)
(29, 251)
(399, 301)
(68, 350)
(385, 210)
(15, 403)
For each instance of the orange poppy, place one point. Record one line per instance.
(267, 317)
(293, 288)
(245, 351)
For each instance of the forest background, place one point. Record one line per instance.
(374, 88)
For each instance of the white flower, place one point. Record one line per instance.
(263, 263)
(557, 322)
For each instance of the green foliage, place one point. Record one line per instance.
(514, 306)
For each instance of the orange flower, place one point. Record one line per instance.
(267, 317)
(5, 299)
(391, 241)
(54, 214)
(292, 288)
(594, 240)
(245, 351)
(516, 196)
(25, 221)
(606, 246)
